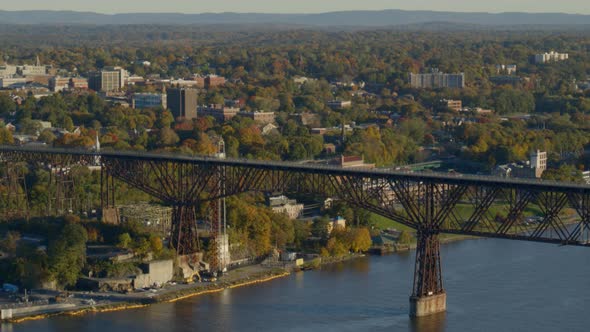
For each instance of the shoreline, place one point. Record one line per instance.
(167, 297)
(171, 296)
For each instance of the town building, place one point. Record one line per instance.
(550, 57)
(259, 117)
(78, 83)
(455, 105)
(351, 162)
(57, 83)
(212, 81)
(437, 79)
(108, 79)
(32, 70)
(182, 83)
(339, 104)
(319, 131)
(39, 79)
(505, 69)
(282, 204)
(199, 81)
(7, 71)
(182, 102)
(154, 273)
(533, 168)
(219, 112)
(148, 100)
(269, 129)
(12, 83)
(134, 79)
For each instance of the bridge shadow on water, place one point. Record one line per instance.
(434, 323)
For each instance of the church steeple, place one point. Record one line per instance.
(97, 144)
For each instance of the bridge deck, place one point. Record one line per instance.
(459, 179)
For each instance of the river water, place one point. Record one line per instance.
(492, 285)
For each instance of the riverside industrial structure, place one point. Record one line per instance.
(430, 203)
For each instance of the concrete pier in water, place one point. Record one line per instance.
(428, 305)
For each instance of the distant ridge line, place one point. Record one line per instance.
(380, 18)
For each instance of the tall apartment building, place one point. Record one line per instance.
(182, 102)
(148, 100)
(550, 57)
(437, 80)
(108, 79)
(539, 162)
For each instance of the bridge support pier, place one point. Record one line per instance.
(428, 296)
(183, 236)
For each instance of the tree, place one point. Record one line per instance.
(67, 254)
(10, 242)
(156, 244)
(563, 173)
(361, 239)
(142, 247)
(336, 248)
(124, 241)
(7, 105)
(164, 119)
(167, 137)
(320, 227)
(282, 230)
(46, 137)
(405, 237)
(6, 136)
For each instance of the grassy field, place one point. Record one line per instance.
(380, 222)
(462, 211)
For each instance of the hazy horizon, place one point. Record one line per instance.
(301, 6)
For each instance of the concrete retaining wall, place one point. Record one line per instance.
(34, 310)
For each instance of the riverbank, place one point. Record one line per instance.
(241, 277)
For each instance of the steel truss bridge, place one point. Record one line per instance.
(430, 203)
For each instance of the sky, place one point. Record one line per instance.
(298, 6)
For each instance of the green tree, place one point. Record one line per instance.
(320, 227)
(6, 136)
(405, 237)
(67, 254)
(124, 241)
(46, 137)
